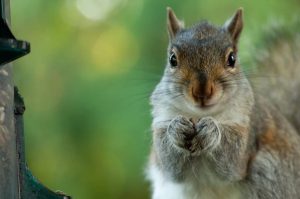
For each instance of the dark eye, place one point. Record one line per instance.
(173, 60)
(231, 60)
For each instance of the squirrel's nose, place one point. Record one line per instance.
(202, 91)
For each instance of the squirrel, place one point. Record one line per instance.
(214, 135)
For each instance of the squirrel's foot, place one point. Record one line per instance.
(181, 132)
(208, 136)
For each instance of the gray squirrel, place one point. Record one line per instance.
(214, 135)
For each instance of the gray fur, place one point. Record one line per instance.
(279, 59)
(241, 147)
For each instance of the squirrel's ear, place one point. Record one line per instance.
(174, 25)
(235, 25)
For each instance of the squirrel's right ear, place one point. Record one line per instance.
(235, 25)
(174, 25)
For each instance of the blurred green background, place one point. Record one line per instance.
(87, 81)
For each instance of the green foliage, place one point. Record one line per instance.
(88, 79)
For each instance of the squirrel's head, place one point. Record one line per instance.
(202, 60)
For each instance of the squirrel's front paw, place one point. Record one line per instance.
(181, 131)
(208, 135)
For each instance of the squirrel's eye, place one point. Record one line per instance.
(173, 60)
(231, 59)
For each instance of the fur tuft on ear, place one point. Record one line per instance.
(235, 25)
(174, 25)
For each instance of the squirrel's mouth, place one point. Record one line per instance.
(205, 104)
(207, 96)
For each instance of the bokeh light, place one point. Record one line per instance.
(97, 9)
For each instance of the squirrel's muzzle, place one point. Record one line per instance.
(202, 90)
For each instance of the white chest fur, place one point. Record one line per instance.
(164, 188)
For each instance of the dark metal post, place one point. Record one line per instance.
(8, 160)
(16, 181)
(29, 186)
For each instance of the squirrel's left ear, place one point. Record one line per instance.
(235, 25)
(174, 25)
